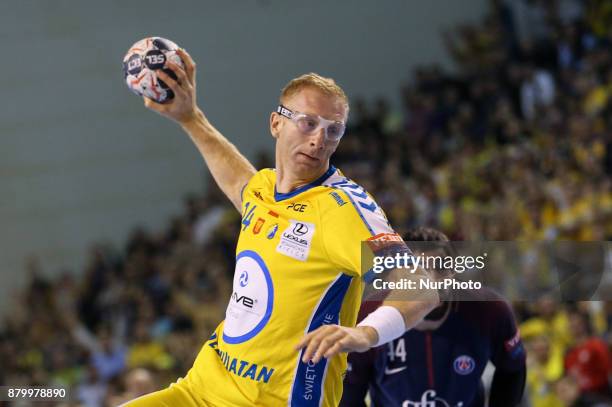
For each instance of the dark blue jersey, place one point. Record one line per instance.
(440, 367)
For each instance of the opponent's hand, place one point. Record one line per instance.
(329, 340)
(182, 108)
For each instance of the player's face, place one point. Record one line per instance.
(306, 155)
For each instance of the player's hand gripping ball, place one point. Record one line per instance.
(142, 61)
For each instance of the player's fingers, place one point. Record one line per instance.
(320, 341)
(153, 105)
(334, 350)
(180, 73)
(311, 348)
(304, 342)
(168, 80)
(308, 337)
(314, 340)
(327, 343)
(172, 83)
(190, 65)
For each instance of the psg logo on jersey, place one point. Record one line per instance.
(464, 365)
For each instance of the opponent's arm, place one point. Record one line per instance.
(507, 387)
(358, 378)
(508, 356)
(230, 169)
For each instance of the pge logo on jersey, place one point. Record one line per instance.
(464, 365)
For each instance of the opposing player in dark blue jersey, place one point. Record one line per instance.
(441, 361)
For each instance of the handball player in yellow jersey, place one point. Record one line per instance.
(298, 278)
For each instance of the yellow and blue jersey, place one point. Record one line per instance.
(298, 267)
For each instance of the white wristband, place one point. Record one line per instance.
(388, 323)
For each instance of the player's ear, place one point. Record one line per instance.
(275, 124)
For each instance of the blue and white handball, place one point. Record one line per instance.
(142, 61)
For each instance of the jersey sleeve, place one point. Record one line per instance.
(260, 177)
(347, 221)
(508, 351)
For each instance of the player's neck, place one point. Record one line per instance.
(287, 180)
(435, 318)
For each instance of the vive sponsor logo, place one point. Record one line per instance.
(243, 299)
(252, 300)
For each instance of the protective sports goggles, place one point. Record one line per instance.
(309, 124)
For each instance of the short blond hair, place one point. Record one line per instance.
(313, 80)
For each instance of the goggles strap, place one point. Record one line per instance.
(283, 111)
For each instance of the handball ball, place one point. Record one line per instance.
(142, 61)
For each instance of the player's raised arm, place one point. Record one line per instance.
(230, 169)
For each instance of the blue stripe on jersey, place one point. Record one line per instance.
(345, 184)
(308, 380)
(279, 196)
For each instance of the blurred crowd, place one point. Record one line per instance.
(515, 144)
(134, 319)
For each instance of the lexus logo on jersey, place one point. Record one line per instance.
(300, 229)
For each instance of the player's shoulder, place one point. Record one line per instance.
(262, 180)
(344, 185)
(263, 177)
(342, 198)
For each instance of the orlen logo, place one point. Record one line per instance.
(250, 306)
(429, 399)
